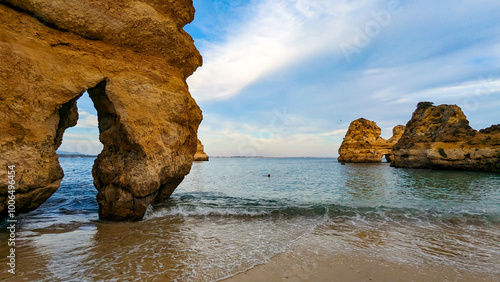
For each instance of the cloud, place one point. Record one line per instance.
(279, 33)
(294, 136)
(235, 143)
(78, 136)
(290, 54)
(459, 92)
(335, 132)
(86, 120)
(86, 147)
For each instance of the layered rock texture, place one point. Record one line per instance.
(363, 144)
(439, 137)
(133, 57)
(200, 155)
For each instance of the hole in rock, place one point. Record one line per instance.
(386, 158)
(75, 200)
(82, 139)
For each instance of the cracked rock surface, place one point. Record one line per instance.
(439, 137)
(363, 144)
(133, 58)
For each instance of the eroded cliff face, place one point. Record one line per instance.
(439, 137)
(200, 155)
(363, 144)
(133, 57)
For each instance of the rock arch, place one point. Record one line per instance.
(388, 157)
(133, 58)
(363, 144)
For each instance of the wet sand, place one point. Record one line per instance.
(308, 266)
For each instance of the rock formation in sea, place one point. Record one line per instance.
(363, 144)
(200, 154)
(439, 137)
(133, 58)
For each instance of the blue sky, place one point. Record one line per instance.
(285, 78)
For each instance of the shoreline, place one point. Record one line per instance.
(306, 265)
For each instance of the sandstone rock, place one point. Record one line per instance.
(363, 144)
(133, 57)
(439, 137)
(397, 132)
(200, 154)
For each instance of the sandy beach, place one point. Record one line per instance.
(300, 265)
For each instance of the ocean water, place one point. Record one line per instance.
(228, 216)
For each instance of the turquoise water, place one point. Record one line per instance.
(228, 216)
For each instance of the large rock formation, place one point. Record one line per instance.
(439, 137)
(363, 144)
(133, 57)
(200, 154)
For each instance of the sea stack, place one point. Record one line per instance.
(200, 155)
(363, 144)
(133, 58)
(439, 137)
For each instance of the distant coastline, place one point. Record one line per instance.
(264, 157)
(77, 156)
(63, 154)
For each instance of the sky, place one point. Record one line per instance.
(284, 78)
